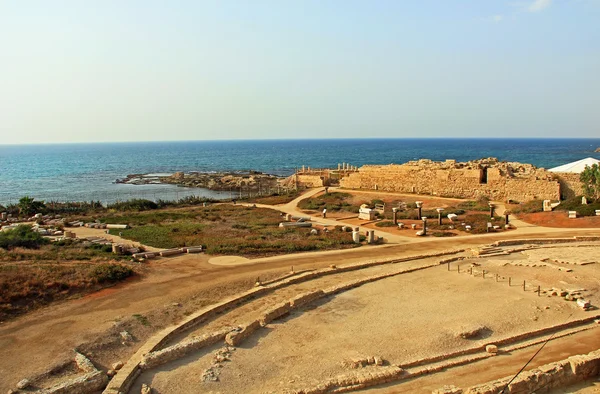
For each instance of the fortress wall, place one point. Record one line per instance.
(570, 185)
(310, 180)
(452, 182)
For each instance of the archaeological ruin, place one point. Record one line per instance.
(494, 179)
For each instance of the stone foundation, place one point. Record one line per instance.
(563, 373)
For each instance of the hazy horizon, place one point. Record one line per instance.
(148, 71)
(309, 139)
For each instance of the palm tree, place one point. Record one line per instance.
(28, 206)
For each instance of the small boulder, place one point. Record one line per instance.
(146, 389)
(118, 365)
(127, 337)
(492, 349)
(111, 372)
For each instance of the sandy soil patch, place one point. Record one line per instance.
(560, 219)
(228, 260)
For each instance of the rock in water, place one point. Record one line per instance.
(146, 389)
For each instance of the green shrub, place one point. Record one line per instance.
(442, 234)
(110, 272)
(385, 223)
(21, 236)
(136, 204)
(574, 204)
(481, 204)
(529, 207)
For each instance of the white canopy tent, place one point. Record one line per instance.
(576, 167)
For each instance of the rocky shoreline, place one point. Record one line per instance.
(219, 181)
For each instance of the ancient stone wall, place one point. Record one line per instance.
(550, 376)
(309, 180)
(570, 185)
(486, 177)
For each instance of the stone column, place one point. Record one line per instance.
(395, 211)
(424, 225)
(491, 210)
(339, 166)
(506, 217)
(371, 236)
(419, 208)
(439, 211)
(356, 235)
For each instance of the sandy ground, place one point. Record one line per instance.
(32, 343)
(402, 319)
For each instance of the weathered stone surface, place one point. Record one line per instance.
(274, 313)
(448, 390)
(146, 389)
(485, 177)
(88, 383)
(23, 384)
(84, 363)
(554, 375)
(126, 336)
(234, 338)
(159, 357)
(118, 365)
(493, 349)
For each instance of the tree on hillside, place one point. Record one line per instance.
(590, 177)
(28, 206)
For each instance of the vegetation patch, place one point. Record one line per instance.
(21, 236)
(530, 207)
(110, 272)
(224, 229)
(335, 201)
(275, 199)
(481, 204)
(442, 234)
(574, 204)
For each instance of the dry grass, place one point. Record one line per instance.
(30, 278)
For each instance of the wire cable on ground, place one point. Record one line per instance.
(531, 359)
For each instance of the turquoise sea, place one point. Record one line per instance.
(83, 172)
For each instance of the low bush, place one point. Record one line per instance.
(574, 204)
(481, 204)
(529, 207)
(110, 272)
(385, 223)
(442, 234)
(22, 236)
(136, 204)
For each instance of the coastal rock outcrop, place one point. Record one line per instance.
(252, 181)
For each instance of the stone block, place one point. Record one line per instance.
(492, 349)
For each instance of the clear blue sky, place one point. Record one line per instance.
(113, 70)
